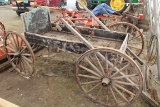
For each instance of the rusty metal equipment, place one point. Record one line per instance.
(82, 18)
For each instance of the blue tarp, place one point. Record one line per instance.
(103, 9)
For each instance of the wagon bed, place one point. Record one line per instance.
(68, 41)
(40, 31)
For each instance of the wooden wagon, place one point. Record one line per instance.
(104, 72)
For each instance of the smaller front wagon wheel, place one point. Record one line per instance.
(19, 53)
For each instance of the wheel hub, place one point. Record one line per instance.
(17, 54)
(105, 81)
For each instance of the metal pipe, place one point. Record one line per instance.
(155, 5)
(104, 26)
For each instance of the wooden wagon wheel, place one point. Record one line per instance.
(19, 53)
(2, 31)
(136, 40)
(114, 81)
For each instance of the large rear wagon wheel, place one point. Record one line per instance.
(20, 54)
(118, 5)
(136, 39)
(109, 77)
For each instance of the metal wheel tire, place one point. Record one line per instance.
(135, 41)
(19, 53)
(2, 31)
(109, 77)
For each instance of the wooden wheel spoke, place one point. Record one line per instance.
(120, 87)
(10, 49)
(125, 76)
(87, 76)
(27, 64)
(27, 59)
(125, 67)
(13, 45)
(13, 59)
(23, 49)
(98, 93)
(100, 65)
(17, 61)
(106, 62)
(107, 92)
(17, 40)
(26, 69)
(125, 83)
(114, 97)
(21, 65)
(133, 38)
(120, 93)
(9, 53)
(13, 39)
(27, 55)
(90, 71)
(94, 67)
(139, 42)
(21, 44)
(90, 82)
(93, 88)
(134, 47)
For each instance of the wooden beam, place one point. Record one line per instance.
(5, 103)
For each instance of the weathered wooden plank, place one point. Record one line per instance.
(95, 32)
(75, 47)
(5, 103)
